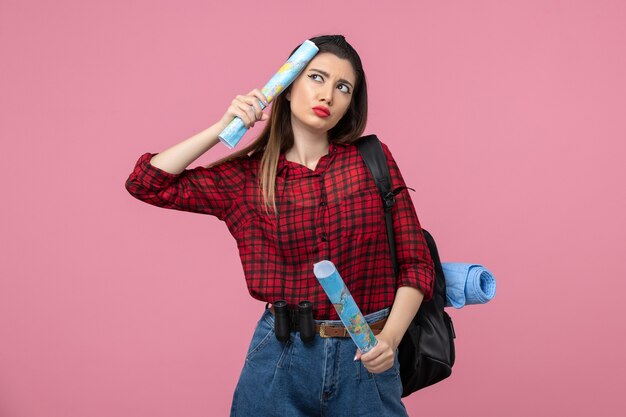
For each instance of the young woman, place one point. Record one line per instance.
(298, 194)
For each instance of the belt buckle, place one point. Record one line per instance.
(323, 330)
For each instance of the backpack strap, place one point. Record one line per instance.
(372, 152)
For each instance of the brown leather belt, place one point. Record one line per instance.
(328, 330)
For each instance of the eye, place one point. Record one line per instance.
(347, 90)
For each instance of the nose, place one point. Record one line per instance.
(326, 94)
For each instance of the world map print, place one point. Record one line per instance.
(347, 309)
(289, 71)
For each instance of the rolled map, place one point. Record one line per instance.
(346, 307)
(233, 133)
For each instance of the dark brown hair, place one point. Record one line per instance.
(277, 135)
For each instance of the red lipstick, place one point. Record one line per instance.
(321, 111)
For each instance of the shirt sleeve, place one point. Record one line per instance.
(199, 190)
(415, 265)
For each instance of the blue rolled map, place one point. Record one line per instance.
(232, 134)
(347, 309)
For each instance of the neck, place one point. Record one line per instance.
(307, 152)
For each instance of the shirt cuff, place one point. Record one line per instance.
(417, 278)
(151, 177)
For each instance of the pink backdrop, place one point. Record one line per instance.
(507, 117)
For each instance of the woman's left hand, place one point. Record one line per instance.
(381, 357)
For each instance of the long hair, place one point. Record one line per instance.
(277, 135)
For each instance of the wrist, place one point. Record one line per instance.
(392, 338)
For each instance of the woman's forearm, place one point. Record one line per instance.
(404, 309)
(178, 157)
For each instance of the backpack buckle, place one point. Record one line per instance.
(389, 199)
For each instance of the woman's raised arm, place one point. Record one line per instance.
(163, 180)
(178, 157)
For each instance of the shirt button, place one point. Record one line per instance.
(323, 203)
(324, 237)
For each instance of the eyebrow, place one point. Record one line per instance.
(328, 75)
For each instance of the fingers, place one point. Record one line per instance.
(380, 369)
(378, 365)
(377, 360)
(247, 111)
(259, 94)
(248, 108)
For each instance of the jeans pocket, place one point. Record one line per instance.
(262, 335)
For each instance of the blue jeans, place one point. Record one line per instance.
(318, 378)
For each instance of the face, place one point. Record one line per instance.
(327, 81)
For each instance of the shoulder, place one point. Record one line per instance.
(353, 148)
(240, 164)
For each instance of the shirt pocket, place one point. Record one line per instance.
(361, 214)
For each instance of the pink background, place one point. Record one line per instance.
(507, 117)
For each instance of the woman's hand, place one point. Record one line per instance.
(247, 108)
(381, 357)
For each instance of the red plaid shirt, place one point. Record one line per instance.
(334, 212)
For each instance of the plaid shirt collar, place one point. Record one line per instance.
(296, 170)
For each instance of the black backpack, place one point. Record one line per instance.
(426, 352)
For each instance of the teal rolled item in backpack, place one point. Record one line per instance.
(347, 309)
(232, 134)
(468, 283)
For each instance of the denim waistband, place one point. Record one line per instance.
(370, 318)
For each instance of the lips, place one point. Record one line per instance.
(321, 111)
